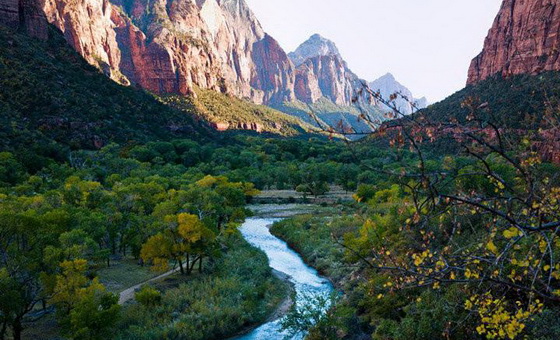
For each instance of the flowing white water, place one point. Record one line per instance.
(306, 280)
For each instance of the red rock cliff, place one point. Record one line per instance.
(525, 38)
(168, 46)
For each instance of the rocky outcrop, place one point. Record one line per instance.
(524, 39)
(26, 15)
(9, 13)
(326, 76)
(169, 46)
(315, 46)
(321, 72)
(273, 74)
(387, 85)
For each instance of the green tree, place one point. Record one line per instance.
(22, 240)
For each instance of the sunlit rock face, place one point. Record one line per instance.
(315, 46)
(169, 46)
(321, 72)
(524, 39)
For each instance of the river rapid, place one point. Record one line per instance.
(307, 283)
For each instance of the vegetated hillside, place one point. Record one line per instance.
(339, 117)
(517, 102)
(49, 94)
(230, 113)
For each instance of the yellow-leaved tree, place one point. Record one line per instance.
(185, 240)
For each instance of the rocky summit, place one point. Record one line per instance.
(387, 85)
(315, 46)
(524, 39)
(321, 72)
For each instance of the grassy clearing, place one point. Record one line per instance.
(124, 273)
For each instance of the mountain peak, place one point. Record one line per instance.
(315, 46)
(388, 76)
(388, 85)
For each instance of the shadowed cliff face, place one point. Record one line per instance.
(9, 13)
(524, 39)
(26, 15)
(168, 46)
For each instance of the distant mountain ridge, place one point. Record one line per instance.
(322, 72)
(315, 46)
(388, 85)
(327, 89)
(172, 47)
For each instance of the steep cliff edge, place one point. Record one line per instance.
(524, 39)
(167, 47)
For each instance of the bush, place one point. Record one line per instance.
(148, 296)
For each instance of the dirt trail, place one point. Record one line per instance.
(128, 294)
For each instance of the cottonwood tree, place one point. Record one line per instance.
(22, 240)
(84, 309)
(185, 240)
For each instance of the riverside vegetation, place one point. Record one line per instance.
(457, 242)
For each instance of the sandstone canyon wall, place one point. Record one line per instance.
(524, 39)
(169, 46)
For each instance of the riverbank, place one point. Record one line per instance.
(335, 195)
(306, 281)
(281, 310)
(313, 237)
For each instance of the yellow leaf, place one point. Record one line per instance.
(492, 247)
(511, 233)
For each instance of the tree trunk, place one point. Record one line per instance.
(3, 330)
(181, 265)
(17, 329)
(200, 264)
(188, 264)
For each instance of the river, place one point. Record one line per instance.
(306, 281)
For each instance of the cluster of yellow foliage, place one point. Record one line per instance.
(496, 320)
(72, 285)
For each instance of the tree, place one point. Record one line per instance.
(84, 308)
(22, 240)
(94, 316)
(488, 222)
(185, 239)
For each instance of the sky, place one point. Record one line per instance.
(426, 44)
